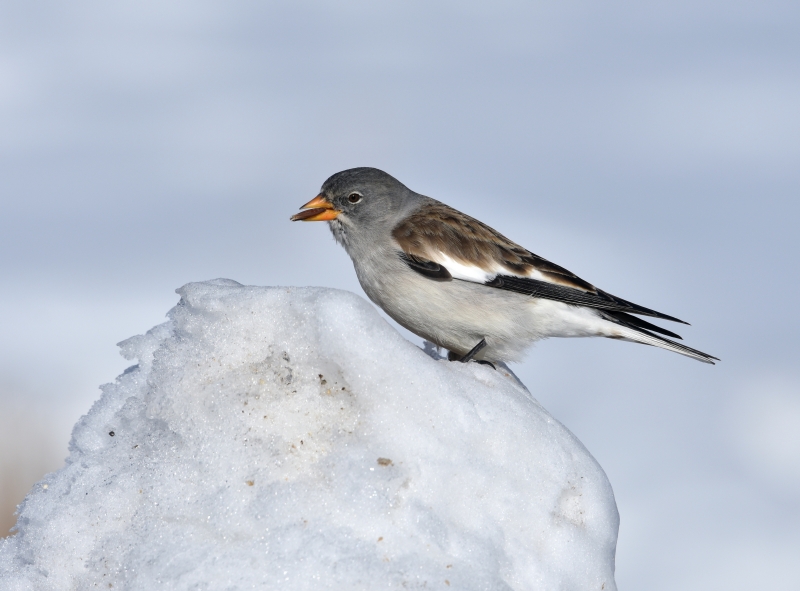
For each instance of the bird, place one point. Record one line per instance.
(458, 283)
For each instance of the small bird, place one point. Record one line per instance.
(462, 285)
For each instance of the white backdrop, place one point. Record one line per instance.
(650, 148)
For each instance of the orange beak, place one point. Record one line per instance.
(318, 209)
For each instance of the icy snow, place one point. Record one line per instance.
(289, 438)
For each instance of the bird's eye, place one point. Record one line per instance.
(354, 197)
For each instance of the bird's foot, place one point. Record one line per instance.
(469, 356)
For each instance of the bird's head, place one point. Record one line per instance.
(356, 201)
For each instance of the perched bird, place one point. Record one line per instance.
(458, 283)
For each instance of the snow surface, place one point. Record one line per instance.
(289, 438)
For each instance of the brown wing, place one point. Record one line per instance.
(437, 227)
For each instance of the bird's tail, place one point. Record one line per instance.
(636, 330)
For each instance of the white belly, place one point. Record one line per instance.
(457, 314)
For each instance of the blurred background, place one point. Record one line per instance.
(651, 148)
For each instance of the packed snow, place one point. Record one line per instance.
(290, 438)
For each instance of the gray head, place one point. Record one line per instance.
(359, 201)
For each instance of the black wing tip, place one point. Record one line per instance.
(637, 323)
(642, 311)
(600, 300)
(649, 329)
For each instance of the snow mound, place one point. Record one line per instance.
(289, 438)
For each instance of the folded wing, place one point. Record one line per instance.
(438, 240)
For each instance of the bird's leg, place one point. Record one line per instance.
(474, 351)
(451, 356)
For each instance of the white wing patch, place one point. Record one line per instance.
(467, 272)
(463, 271)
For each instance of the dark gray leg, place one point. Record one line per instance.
(474, 351)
